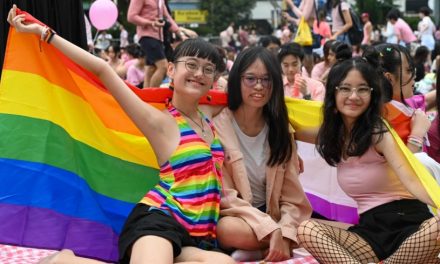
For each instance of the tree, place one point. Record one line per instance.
(378, 9)
(223, 12)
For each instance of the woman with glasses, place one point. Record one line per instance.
(180, 213)
(395, 224)
(263, 201)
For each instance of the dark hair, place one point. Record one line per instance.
(265, 41)
(222, 52)
(425, 10)
(389, 57)
(275, 111)
(198, 48)
(134, 50)
(333, 3)
(326, 49)
(421, 54)
(436, 50)
(393, 14)
(342, 50)
(116, 48)
(291, 49)
(332, 135)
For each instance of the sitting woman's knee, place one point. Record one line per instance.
(305, 230)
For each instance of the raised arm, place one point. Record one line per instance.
(147, 118)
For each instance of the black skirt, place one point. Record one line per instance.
(385, 227)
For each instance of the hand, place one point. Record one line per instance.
(420, 123)
(279, 248)
(287, 17)
(302, 84)
(158, 23)
(17, 21)
(333, 37)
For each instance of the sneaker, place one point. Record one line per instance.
(246, 255)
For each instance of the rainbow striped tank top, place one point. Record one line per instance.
(190, 181)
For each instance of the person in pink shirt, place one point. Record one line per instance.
(395, 225)
(368, 29)
(405, 35)
(295, 85)
(322, 67)
(149, 16)
(136, 72)
(323, 29)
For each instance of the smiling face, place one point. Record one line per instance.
(351, 106)
(256, 86)
(191, 75)
(290, 65)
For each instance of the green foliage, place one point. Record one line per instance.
(223, 12)
(412, 21)
(377, 9)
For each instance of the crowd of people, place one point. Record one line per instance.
(229, 186)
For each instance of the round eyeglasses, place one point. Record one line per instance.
(193, 66)
(361, 91)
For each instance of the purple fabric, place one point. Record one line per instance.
(337, 212)
(417, 102)
(44, 228)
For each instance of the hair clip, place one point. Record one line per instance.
(389, 49)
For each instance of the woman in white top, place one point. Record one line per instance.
(426, 28)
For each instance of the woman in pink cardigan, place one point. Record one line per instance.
(263, 201)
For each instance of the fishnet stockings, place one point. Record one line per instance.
(334, 245)
(420, 247)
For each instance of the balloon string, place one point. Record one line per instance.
(94, 40)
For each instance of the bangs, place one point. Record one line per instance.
(198, 48)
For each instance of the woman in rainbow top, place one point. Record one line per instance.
(179, 215)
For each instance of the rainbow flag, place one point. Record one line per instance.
(72, 164)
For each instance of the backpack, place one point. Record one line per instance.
(356, 32)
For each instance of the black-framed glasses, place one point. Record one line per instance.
(361, 91)
(251, 81)
(193, 66)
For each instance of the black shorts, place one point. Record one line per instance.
(153, 50)
(386, 226)
(143, 222)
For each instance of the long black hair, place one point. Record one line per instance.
(389, 57)
(333, 139)
(275, 111)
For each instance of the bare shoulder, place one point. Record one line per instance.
(383, 141)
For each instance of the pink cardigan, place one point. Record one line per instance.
(287, 205)
(143, 12)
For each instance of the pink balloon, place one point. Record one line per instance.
(103, 14)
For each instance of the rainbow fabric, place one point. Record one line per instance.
(72, 164)
(193, 200)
